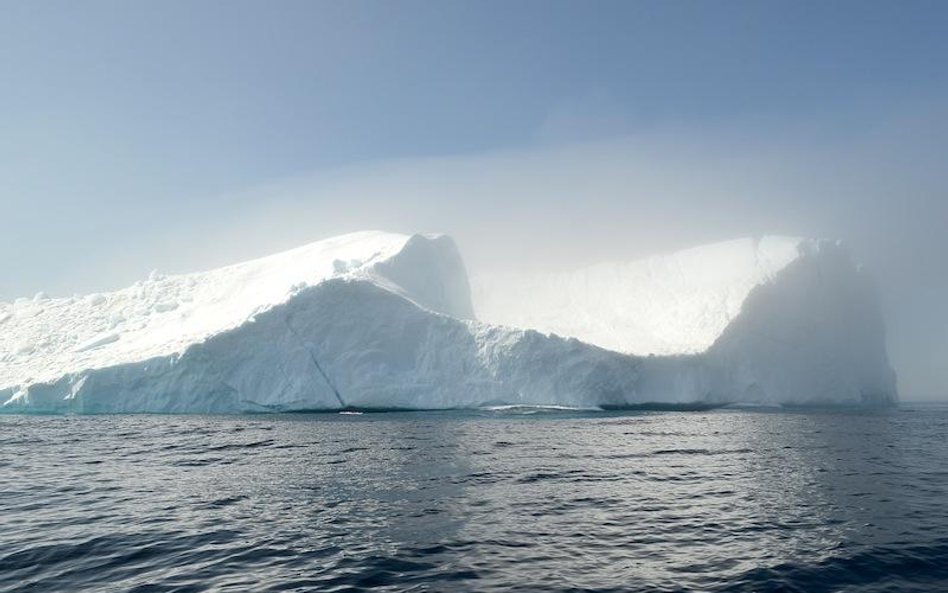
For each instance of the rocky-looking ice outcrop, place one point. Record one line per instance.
(378, 320)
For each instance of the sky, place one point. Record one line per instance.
(183, 135)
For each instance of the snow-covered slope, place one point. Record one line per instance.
(44, 338)
(673, 304)
(382, 320)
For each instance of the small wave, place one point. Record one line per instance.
(239, 446)
(536, 409)
(699, 451)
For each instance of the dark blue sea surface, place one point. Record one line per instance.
(723, 500)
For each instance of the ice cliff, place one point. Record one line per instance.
(379, 320)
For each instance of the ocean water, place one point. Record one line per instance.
(724, 500)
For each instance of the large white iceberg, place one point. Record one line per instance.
(380, 320)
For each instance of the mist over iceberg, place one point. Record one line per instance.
(375, 320)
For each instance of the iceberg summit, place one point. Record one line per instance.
(375, 320)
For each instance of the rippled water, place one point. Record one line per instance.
(655, 501)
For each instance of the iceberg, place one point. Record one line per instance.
(771, 320)
(376, 320)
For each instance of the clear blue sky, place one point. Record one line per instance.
(124, 126)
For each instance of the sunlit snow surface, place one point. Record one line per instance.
(674, 304)
(45, 338)
(380, 320)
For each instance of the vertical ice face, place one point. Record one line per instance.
(429, 271)
(813, 333)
